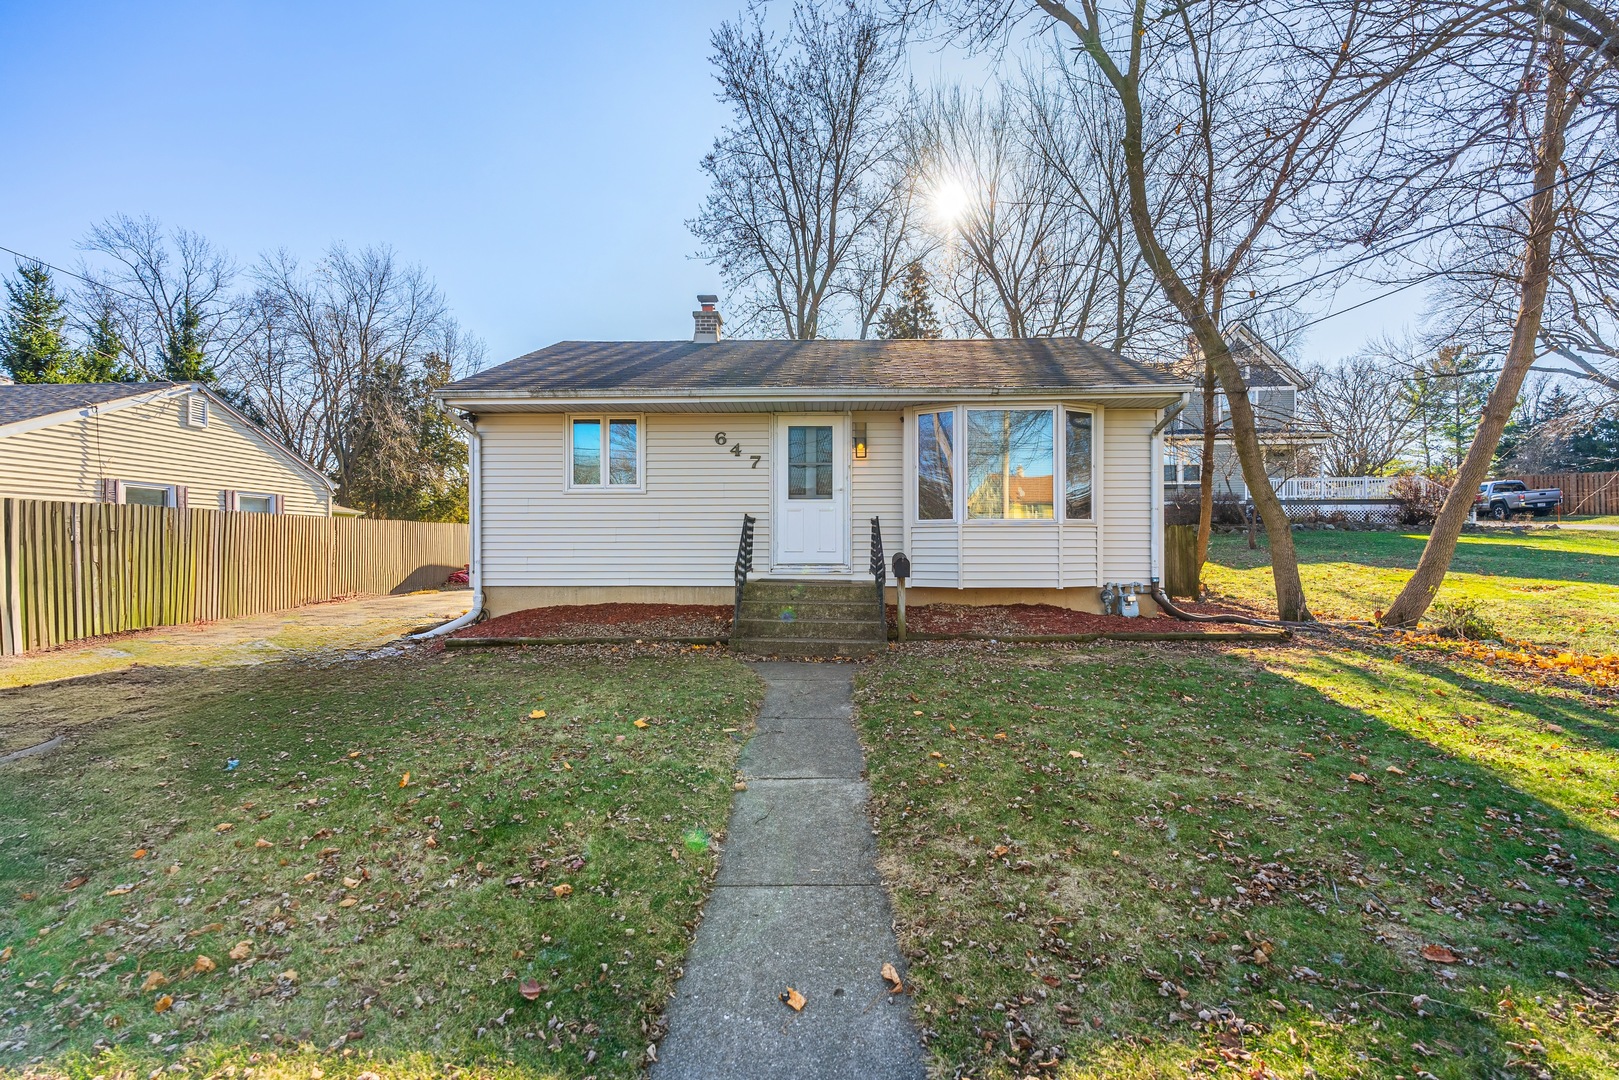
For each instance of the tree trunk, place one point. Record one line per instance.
(1205, 481)
(1419, 591)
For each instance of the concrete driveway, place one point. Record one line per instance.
(339, 626)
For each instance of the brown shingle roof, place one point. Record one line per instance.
(1026, 363)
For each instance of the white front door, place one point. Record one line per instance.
(811, 477)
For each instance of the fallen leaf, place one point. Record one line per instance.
(140, 853)
(120, 890)
(1359, 778)
(530, 989)
(404, 781)
(172, 868)
(5, 954)
(203, 965)
(562, 890)
(740, 785)
(224, 826)
(1395, 769)
(348, 901)
(641, 722)
(1438, 954)
(27, 896)
(793, 998)
(432, 841)
(893, 976)
(261, 842)
(1001, 735)
(537, 714)
(351, 882)
(163, 1004)
(241, 950)
(74, 882)
(354, 753)
(999, 850)
(288, 975)
(154, 980)
(1076, 753)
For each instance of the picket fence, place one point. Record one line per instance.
(73, 570)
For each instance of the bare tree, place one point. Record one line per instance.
(340, 367)
(1505, 135)
(805, 203)
(1363, 405)
(171, 295)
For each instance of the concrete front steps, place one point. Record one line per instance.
(810, 618)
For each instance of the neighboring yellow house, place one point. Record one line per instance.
(154, 444)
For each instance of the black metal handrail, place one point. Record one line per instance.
(879, 571)
(744, 567)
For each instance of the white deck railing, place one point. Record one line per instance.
(1344, 488)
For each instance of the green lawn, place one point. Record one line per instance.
(1551, 588)
(376, 922)
(1151, 862)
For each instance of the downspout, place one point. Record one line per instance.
(475, 539)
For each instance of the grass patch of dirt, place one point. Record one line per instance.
(356, 867)
(1340, 859)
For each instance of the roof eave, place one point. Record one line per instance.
(474, 397)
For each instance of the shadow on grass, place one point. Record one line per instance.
(1213, 818)
(1524, 558)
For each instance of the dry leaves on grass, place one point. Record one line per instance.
(1596, 670)
(1438, 954)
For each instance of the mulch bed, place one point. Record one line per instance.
(1042, 619)
(628, 621)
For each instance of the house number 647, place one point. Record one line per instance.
(736, 450)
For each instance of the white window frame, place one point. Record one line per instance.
(1062, 465)
(171, 497)
(1059, 477)
(604, 488)
(270, 497)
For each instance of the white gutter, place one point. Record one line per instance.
(720, 396)
(475, 539)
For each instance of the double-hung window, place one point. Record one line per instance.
(604, 453)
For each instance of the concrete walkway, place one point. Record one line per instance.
(797, 903)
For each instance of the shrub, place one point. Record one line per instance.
(1418, 500)
(1461, 619)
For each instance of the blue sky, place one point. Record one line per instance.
(540, 160)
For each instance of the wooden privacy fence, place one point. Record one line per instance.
(1180, 561)
(1583, 492)
(72, 570)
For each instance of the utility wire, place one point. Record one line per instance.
(71, 274)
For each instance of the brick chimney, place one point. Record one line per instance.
(707, 318)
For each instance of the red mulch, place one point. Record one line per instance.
(607, 620)
(1039, 619)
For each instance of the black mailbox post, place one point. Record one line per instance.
(902, 570)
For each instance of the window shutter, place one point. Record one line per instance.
(180, 500)
(227, 499)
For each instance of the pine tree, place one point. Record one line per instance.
(183, 357)
(32, 348)
(101, 360)
(913, 316)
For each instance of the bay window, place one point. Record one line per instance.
(1011, 464)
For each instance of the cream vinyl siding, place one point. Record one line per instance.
(150, 444)
(876, 488)
(1079, 556)
(1128, 475)
(935, 555)
(1010, 555)
(681, 530)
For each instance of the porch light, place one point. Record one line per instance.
(860, 440)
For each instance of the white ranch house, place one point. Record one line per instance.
(1010, 471)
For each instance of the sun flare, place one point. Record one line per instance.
(948, 201)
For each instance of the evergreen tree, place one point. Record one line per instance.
(102, 358)
(183, 357)
(32, 348)
(913, 316)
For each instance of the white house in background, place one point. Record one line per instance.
(1274, 386)
(1010, 471)
(154, 443)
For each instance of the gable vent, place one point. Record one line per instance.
(196, 411)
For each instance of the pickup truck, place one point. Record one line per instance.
(1501, 499)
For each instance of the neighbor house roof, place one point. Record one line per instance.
(686, 368)
(27, 401)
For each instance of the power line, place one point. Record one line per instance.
(62, 270)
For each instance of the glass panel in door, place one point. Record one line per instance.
(809, 462)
